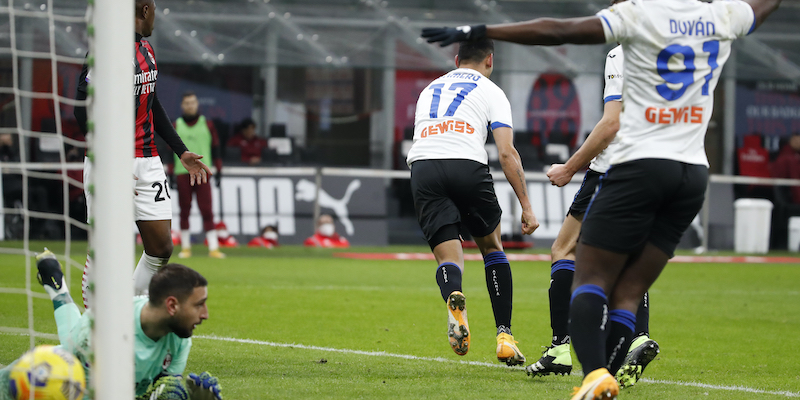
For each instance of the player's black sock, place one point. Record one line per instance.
(620, 333)
(588, 315)
(561, 273)
(500, 286)
(643, 317)
(448, 277)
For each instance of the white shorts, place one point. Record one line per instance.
(153, 202)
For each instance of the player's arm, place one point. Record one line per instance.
(762, 9)
(601, 136)
(540, 31)
(512, 168)
(81, 95)
(198, 172)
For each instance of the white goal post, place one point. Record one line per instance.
(111, 147)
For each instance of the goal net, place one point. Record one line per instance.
(43, 46)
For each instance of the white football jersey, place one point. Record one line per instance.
(674, 53)
(454, 114)
(612, 92)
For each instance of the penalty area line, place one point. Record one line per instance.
(478, 363)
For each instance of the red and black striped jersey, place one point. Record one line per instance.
(144, 91)
(151, 118)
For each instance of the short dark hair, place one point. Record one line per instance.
(174, 280)
(245, 123)
(477, 51)
(188, 93)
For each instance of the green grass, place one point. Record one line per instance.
(717, 324)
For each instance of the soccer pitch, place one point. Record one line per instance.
(300, 323)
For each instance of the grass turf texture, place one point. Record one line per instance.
(717, 324)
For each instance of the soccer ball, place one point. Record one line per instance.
(49, 373)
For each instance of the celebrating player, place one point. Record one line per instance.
(557, 359)
(163, 326)
(674, 52)
(451, 186)
(153, 207)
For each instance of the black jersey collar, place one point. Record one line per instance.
(139, 37)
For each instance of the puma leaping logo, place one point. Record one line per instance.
(307, 191)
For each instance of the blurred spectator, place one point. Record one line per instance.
(246, 140)
(224, 237)
(268, 238)
(200, 136)
(325, 235)
(787, 164)
(8, 151)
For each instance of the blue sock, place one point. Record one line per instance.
(588, 316)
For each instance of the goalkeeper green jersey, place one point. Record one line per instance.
(198, 139)
(167, 355)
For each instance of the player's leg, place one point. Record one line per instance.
(185, 204)
(473, 193)
(51, 277)
(674, 217)
(204, 202)
(501, 291)
(153, 215)
(446, 247)
(157, 242)
(615, 227)
(439, 220)
(556, 358)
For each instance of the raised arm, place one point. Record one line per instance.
(762, 9)
(601, 136)
(512, 168)
(540, 31)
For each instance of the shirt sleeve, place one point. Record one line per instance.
(741, 17)
(613, 78)
(499, 110)
(178, 364)
(617, 20)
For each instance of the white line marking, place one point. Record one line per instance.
(479, 363)
(348, 351)
(723, 387)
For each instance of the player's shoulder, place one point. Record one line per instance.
(615, 53)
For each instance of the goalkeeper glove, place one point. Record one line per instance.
(168, 387)
(204, 387)
(448, 36)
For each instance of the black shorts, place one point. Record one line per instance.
(584, 195)
(640, 201)
(448, 193)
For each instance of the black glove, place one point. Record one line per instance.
(173, 181)
(448, 36)
(218, 176)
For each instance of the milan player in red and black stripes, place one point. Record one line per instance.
(153, 206)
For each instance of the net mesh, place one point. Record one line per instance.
(41, 175)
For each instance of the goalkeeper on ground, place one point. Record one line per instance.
(163, 325)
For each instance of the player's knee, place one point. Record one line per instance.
(164, 250)
(557, 251)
